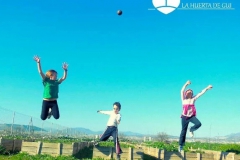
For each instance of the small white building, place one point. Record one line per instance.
(150, 139)
(147, 139)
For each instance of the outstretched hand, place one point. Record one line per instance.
(65, 66)
(36, 58)
(210, 87)
(188, 82)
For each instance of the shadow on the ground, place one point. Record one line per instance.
(85, 153)
(148, 157)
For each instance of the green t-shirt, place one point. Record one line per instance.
(50, 88)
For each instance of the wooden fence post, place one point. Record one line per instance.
(130, 154)
(162, 155)
(39, 147)
(199, 156)
(59, 149)
(75, 147)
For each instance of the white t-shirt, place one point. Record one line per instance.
(189, 101)
(113, 119)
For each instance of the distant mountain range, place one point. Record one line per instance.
(20, 127)
(78, 129)
(233, 136)
(90, 132)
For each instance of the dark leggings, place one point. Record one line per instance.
(185, 122)
(45, 109)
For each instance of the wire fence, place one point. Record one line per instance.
(16, 124)
(19, 125)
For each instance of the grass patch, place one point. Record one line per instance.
(85, 154)
(25, 156)
(196, 146)
(67, 140)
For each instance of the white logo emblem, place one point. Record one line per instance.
(166, 6)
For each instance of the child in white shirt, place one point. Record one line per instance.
(113, 122)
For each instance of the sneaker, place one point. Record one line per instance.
(49, 113)
(191, 134)
(180, 148)
(95, 143)
(118, 157)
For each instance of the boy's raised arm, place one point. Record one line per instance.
(37, 59)
(65, 67)
(104, 112)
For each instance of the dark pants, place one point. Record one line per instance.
(45, 109)
(112, 131)
(185, 122)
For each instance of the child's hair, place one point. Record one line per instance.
(185, 93)
(50, 72)
(118, 105)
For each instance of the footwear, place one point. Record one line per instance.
(49, 113)
(95, 143)
(191, 134)
(118, 157)
(180, 148)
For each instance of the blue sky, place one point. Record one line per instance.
(141, 59)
